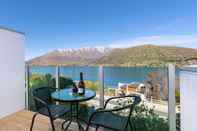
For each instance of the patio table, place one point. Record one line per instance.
(66, 95)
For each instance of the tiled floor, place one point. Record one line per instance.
(21, 121)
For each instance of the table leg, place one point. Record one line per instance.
(77, 118)
(74, 117)
(70, 119)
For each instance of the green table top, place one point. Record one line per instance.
(66, 95)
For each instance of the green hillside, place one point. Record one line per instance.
(149, 55)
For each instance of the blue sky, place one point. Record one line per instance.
(53, 24)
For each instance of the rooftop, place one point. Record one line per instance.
(12, 30)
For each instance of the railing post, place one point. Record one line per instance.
(57, 74)
(26, 86)
(171, 98)
(101, 89)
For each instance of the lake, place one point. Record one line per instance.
(112, 75)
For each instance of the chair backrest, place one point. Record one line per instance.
(43, 93)
(137, 100)
(126, 105)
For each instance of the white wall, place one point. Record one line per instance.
(188, 88)
(12, 72)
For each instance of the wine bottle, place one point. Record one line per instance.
(75, 89)
(81, 85)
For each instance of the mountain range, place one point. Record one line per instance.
(81, 56)
(144, 55)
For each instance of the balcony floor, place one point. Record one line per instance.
(21, 121)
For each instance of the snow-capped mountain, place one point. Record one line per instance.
(70, 56)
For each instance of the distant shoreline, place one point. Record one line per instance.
(67, 65)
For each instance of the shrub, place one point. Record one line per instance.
(146, 119)
(177, 95)
(178, 122)
(38, 80)
(92, 85)
(64, 82)
(110, 91)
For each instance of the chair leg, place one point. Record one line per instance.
(63, 124)
(131, 126)
(97, 128)
(52, 124)
(87, 128)
(68, 125)
(32, 122)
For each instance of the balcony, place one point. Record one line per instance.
(150, 83)
(157, 88)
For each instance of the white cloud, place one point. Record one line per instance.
(169, 40)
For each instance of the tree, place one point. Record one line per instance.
(64, 82)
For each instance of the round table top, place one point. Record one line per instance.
(66, 95)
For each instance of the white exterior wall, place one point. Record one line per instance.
(12, 72)
(188, 90)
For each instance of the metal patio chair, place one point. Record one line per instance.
(44, 106)
(110, 118)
